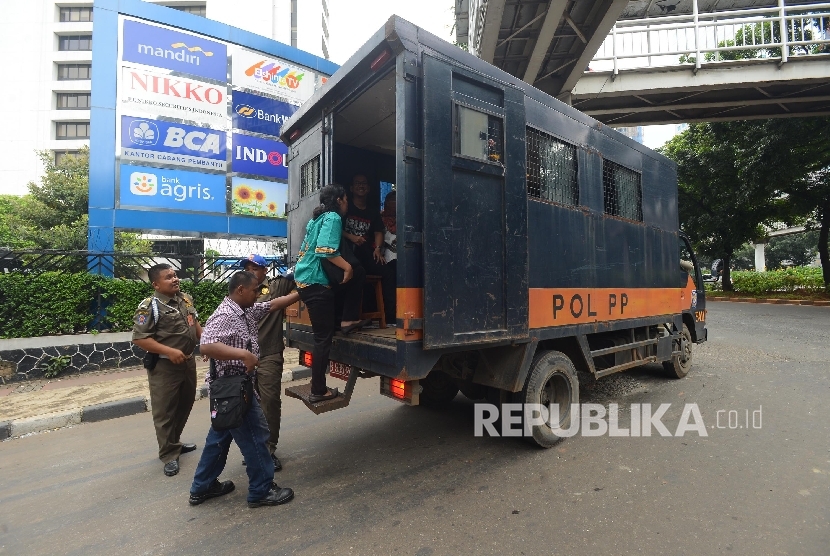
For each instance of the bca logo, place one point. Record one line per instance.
(194, 140)
(245, 111)
(142, 183)
(143, 132)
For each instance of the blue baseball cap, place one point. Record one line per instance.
(258, 260)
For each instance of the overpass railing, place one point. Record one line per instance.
(774, 34)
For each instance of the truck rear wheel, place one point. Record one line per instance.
(438, 389)
(680, 365)
(552, 380)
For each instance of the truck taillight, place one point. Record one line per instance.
(401, 390)
(305, 358)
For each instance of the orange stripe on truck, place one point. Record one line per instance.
(410, 305)
(566, 306)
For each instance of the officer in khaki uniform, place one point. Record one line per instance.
(271, 345)
(167, 325)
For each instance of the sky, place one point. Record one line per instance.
(354, 21)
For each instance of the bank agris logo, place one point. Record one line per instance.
(143, 183)
(143, 132)
(275, 74)
(245, 111)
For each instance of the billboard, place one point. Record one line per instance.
(260, 114)
(185, 118)
(259, 156)
(148, 141)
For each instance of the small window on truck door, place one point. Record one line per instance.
(478, 135)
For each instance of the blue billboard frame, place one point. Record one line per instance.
(104, 216)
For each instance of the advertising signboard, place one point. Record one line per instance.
(260, 157)
(258, 198)
(273, 76)
(184, 124)
(260, 114)
(144, 91)
(150, 141)
(156, 46)
(145, 186)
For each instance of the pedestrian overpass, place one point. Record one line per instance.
(644, 62)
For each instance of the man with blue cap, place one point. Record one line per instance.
(271, 345)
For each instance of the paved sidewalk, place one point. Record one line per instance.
(41, 405)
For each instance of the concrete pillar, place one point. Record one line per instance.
(760, 260)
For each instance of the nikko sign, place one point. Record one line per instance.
(260, 114)
(144, 186)
(163, 48)
(272, 76)
(158, 94)
(259, 157)
(154, 141)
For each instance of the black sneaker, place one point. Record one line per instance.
(275, 497)
(216, 489)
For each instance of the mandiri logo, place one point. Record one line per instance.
(143, 183)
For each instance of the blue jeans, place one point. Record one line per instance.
(252, 439)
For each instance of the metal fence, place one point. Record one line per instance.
(776, 33)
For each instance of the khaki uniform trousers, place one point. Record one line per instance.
(172, 393)
(269, 386)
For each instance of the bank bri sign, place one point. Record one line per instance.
(161, 151)
(162, 48)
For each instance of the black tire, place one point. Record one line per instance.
(680, 365)
(552, 379)
(438, 389)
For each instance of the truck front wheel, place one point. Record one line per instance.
(680, 364)
(552, 380)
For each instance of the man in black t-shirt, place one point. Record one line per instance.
(363, 228)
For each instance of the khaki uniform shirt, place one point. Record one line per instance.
(173, 326)
(270, 328)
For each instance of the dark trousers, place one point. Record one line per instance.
(319, 300)
(388, 275)
(349, 296)
(172, 392)
(269, 386)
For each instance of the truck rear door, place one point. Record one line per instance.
(475, 208)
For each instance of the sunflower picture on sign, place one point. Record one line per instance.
(258, 198)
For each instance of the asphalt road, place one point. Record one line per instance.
(382, 478)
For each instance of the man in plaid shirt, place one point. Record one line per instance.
(230, 338)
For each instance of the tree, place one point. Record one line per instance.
(54, 213)
(720, 209)
(10, 234)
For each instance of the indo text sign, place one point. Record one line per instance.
(260, 157)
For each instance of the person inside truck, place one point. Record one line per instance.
(322, 241)
(390, 254)
(363, 228)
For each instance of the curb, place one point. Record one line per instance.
(814, 303)
(105, 411)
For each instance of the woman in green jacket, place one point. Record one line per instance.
(322, 241)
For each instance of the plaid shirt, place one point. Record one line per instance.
(234, 326)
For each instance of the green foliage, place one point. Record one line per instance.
(51, 303)
(44, 304)
(53, 366)
(786, 280)
(206, 296)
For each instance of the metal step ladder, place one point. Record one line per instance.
(303, 391)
